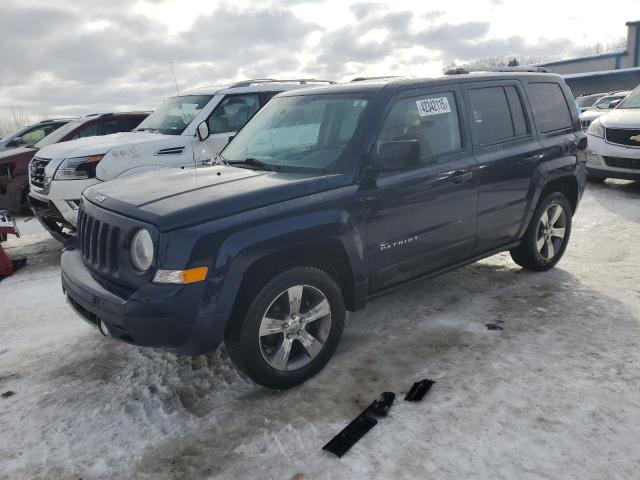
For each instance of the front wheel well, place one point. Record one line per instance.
(568, 186)
(327, 255)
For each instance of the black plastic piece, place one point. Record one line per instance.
(419, 390)
(493, 326)
(347, 438)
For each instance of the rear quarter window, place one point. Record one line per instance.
(550, 108)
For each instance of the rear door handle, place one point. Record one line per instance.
(460, 176)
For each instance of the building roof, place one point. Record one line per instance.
(603, 73)
(612, 53)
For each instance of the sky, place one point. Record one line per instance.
(73, 57)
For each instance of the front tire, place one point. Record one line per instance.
(546, 239)
(290, 330)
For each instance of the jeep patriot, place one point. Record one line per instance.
(327, 197)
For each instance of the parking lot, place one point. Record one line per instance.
(554, 394)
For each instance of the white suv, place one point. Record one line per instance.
(614, 142)
(187, 129)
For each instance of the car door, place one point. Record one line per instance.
(423, 218)
(507, 151)
(229, 116)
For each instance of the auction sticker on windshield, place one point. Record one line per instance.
(433, 106)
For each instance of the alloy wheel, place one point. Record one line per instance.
(295, 327)
(551, 231)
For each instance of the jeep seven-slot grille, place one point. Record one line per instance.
(37, 171)
(618, 162)
(624, 136)
(98, 243)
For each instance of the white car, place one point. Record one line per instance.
(187, 129)
(602, 106)
(614, 142)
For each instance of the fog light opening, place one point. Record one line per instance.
(104, 330)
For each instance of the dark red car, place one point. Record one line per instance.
(14, 163)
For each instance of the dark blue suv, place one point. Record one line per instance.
(326, 197)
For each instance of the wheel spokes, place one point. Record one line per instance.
(544, 219)
(550, 250)
(270, 326)
(295, 298)
(310, 343)
(557, 232)
(540, 243)
(321, 310)
(281, 357)
(555, 215)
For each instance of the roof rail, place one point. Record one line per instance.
(301, 81)
(464, 70)
(364, 79)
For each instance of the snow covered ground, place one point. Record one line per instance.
(555, 394)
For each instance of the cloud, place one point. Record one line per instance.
(81, 56)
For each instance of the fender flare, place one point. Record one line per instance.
(241, 249)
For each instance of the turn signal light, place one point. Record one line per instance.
(181, 277)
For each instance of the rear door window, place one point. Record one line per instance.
(431, 119)
(498, 114)
(549, 107)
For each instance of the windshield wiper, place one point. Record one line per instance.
(253, 162)
(147, 129)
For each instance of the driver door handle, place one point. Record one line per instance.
(460, 176)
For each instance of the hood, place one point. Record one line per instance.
(593, 114)
(84, 147)
(622, 118)
(18, 153)
(173, 197)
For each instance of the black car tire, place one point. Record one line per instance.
(244, 342)
(527, 254)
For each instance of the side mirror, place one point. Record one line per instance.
(203, 131)
(614, 104)
(18, 142)
(399, 155)
(231, 137)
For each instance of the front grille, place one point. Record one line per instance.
(629, 137)
(98, 243)
(618, 162)
(36, 172)
(585, 124)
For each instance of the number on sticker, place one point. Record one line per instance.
(433, 106)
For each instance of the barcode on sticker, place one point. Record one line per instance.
(359, 103)
(433, 106)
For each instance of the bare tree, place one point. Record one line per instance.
(512, 60)
(598, 48)
(16, 118)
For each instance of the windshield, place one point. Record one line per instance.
(174, 115)
(301, 133)
(56, 135)
(603, 103)
(587, 101)
(632, 100)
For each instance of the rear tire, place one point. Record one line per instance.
(290, 330)
(547, 236)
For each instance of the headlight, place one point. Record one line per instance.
(79, 168)
(596, 129)
(142, 250)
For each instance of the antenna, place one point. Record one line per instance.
(174, 78)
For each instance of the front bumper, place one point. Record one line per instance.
(171, 317)
(65, 195)
(597, 166)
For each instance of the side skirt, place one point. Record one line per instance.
(455, 266)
